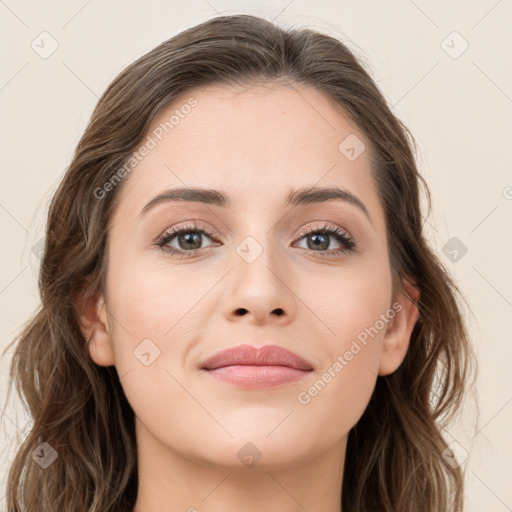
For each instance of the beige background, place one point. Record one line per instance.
(459, 107)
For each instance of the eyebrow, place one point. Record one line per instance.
(299, 197)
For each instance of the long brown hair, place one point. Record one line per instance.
(394, 453)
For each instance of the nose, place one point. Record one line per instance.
(261, 291)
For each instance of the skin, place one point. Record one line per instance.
(255, 144)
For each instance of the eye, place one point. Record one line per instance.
(318, 240)
(189, 239)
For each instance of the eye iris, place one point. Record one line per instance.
(190, 238)
(320, 240)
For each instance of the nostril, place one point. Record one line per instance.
(278, 311)
(241, 311)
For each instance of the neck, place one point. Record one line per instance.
(171, 482)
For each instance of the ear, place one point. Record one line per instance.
(398, 334)
(92, 317)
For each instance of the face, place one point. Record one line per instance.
(310, 276)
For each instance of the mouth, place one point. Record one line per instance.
(249, 367)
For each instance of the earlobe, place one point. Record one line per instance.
(92, 316)
(397, 338)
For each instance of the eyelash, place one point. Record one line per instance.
(340, 235)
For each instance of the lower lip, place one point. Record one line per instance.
(257, 376)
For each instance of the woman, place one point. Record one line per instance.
(239, 306)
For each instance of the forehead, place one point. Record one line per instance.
(256, 143)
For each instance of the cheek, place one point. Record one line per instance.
(345, 303)
(153, 301)
(332, 404)
(350, 318)
(155, 315)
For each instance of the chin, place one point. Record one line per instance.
(258, 452)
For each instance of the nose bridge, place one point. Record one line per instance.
(258, 247)
(259, 259)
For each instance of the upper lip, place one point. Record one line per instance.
(268, 355)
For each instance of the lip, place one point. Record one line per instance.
(251, 367)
